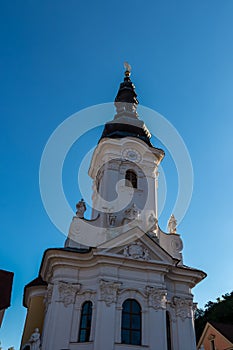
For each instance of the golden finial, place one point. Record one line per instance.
(127, 69)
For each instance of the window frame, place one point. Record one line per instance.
(212, 344)
(88, 323)
(131, 329)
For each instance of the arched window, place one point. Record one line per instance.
(131, 179)
(85, 322)
(131, 324)
(168, 326)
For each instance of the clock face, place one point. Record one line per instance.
(132, 154)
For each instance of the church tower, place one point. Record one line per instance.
(119, 283)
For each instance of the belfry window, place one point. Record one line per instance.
(131, 322)
(85, 322)
(131, 179)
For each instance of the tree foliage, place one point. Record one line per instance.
(219, 311)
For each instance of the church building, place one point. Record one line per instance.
(119, 282)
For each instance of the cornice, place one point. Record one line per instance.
(186, 275)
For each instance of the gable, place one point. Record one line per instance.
(217, 334)
(135, 244)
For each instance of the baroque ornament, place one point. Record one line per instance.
(157, 297)
(132, 213)
(183, 307)
(48, 296)
(67, 292)
(108, 291)
(136, 251)
(176, 244)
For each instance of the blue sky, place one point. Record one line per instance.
(58, 57)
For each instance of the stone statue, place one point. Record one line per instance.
(146, 254)
(35, 340)
(153, 222)
(132, 213)
(81, 208)
(127, 66)
(172, 224)
(112, 220)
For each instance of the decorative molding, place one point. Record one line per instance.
(149, 171)
(131, 293)
(113, 164)
(176, 244)
(183, 307)
(171, 310)
(157, 297)
(67, 292)
(83, 296)
(108, 291)
(136, 250)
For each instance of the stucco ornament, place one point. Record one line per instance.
(136, 251)
(195, 307)
(172, 224)
(157, 297)
(81, 208)
(176, 244)
(108, 291)
(35, 340)
(67, 292)
(132, 213)
(48, 296)
(183, 307)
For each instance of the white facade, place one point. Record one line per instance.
(108, 278)
(119, 255)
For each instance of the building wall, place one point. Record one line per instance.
(108, 284)
(220, 342)
(34, 318)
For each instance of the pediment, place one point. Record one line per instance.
(135, 244)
